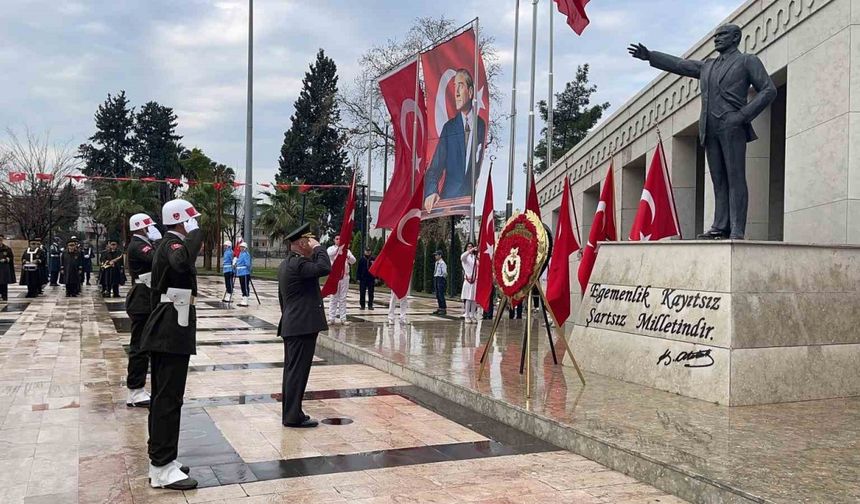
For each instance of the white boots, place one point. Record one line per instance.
(170, 476)
(227, 297)
(243, 302)
(138, 398)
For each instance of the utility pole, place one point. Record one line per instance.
(249, 139)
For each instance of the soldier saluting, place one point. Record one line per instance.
(170, 338)
(141, 250)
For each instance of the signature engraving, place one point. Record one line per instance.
(688, 358)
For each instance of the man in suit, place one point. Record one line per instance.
(170, 338)
(449, 175)
(302, 318)
(724, 123)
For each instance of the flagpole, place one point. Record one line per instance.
(531, 132)
(249, 137)
(474, 149)
(549, 118)
(509, 204)
(415, 121)
(366, 235)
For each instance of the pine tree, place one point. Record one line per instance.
(355, 247)
(313, 146)
(156, 146)
(573, 117)
(112, 143)
(455, 267)
(429, 265)
(418, 267)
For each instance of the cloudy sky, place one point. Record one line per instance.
(60, 58)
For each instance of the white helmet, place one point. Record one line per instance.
(243, 245)
(140, 221)
(178, 211)
(228, 243)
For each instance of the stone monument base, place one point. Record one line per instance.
(731, 322)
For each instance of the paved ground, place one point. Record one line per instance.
(66, 435)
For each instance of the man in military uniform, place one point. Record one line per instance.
(87, 254)
(170, 338)
(7, 269)
(111, 265)
(31, 261)
(54, 261)
(141, 250)
(302, 318)
(72, 268)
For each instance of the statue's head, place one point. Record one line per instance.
(727, 37)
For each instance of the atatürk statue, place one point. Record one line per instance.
(724, 125)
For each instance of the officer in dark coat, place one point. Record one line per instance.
(54, 261)
(366, 281)
(87, 253)
(141, 250)
(111, 269)
(302, 318)
(72, 269)
(31, 262)
(169, 337)
(7, 269)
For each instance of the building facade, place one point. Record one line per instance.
(804, 179)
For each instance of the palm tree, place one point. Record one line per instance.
(117, 201)
(204, 197)
(283, 212)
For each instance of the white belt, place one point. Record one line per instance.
(182, 301)
(146, 279)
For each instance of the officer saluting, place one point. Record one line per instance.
(302, 318)
(169, 337)
(141, 250)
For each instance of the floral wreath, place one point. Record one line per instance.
(519, 256)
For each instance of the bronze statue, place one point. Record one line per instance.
(724, 124)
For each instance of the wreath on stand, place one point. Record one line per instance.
(520, 254)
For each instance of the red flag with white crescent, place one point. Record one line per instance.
(449, 69)
(339, 264)
(16, 177)
(577, 19)
(398, 92)
(657, 217)
(565, 244)
(486, 247)
(47, 177)
(602, 229)
(397, 257)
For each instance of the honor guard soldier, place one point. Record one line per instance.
(7, 269)
(111, 269)
(170, 338)
(302, 318)
(141, 250)
(54, 261)
(72, 268)
(31, 261)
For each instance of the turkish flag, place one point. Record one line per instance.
(558, 277)
(602, 229)
(440, 66)
(657, 217)
(397, 257)
(532, 202)
(17, 176)
(47, 177)
(337, 267)
(486, 246)
(237, 185)
(398, 92)
(173, 181)
(575, 12)
(147, 179)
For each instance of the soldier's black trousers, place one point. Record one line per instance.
(169, 372)
(138, 360)
(365, 286)
(4, 291)
(298, 357)
(55, 275)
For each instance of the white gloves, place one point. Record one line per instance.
(191, 225)
(154, 234)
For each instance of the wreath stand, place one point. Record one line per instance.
(525, 355)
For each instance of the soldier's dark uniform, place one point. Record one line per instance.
(169, 344)
(72, 271)
(31, 260)
(7, 270)
(302, 318)
(111, 276)
(138, 306)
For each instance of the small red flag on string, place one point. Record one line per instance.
(218, 185)
(77, 178)
(47, 177)
(16, 177)
(304, 188)
(237, 185)
(147, 179)
(283, 187)
(191, 183)
(174, 181)
(266, 184)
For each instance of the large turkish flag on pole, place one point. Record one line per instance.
(657, 217)
(337, 267)
(558, 277)
(486, 247)
(602, 229)
(398, 92)
(397, 257)
(575, 12)
(448, 152)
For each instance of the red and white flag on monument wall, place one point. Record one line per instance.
(602, 229)
(398, 92)
(657, 217)
(575, 12)
(558, 277)
(486, 247)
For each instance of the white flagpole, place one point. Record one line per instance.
(415, 122)
(531, 140)
(475, 139)
(549, 123)
(509, 205)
